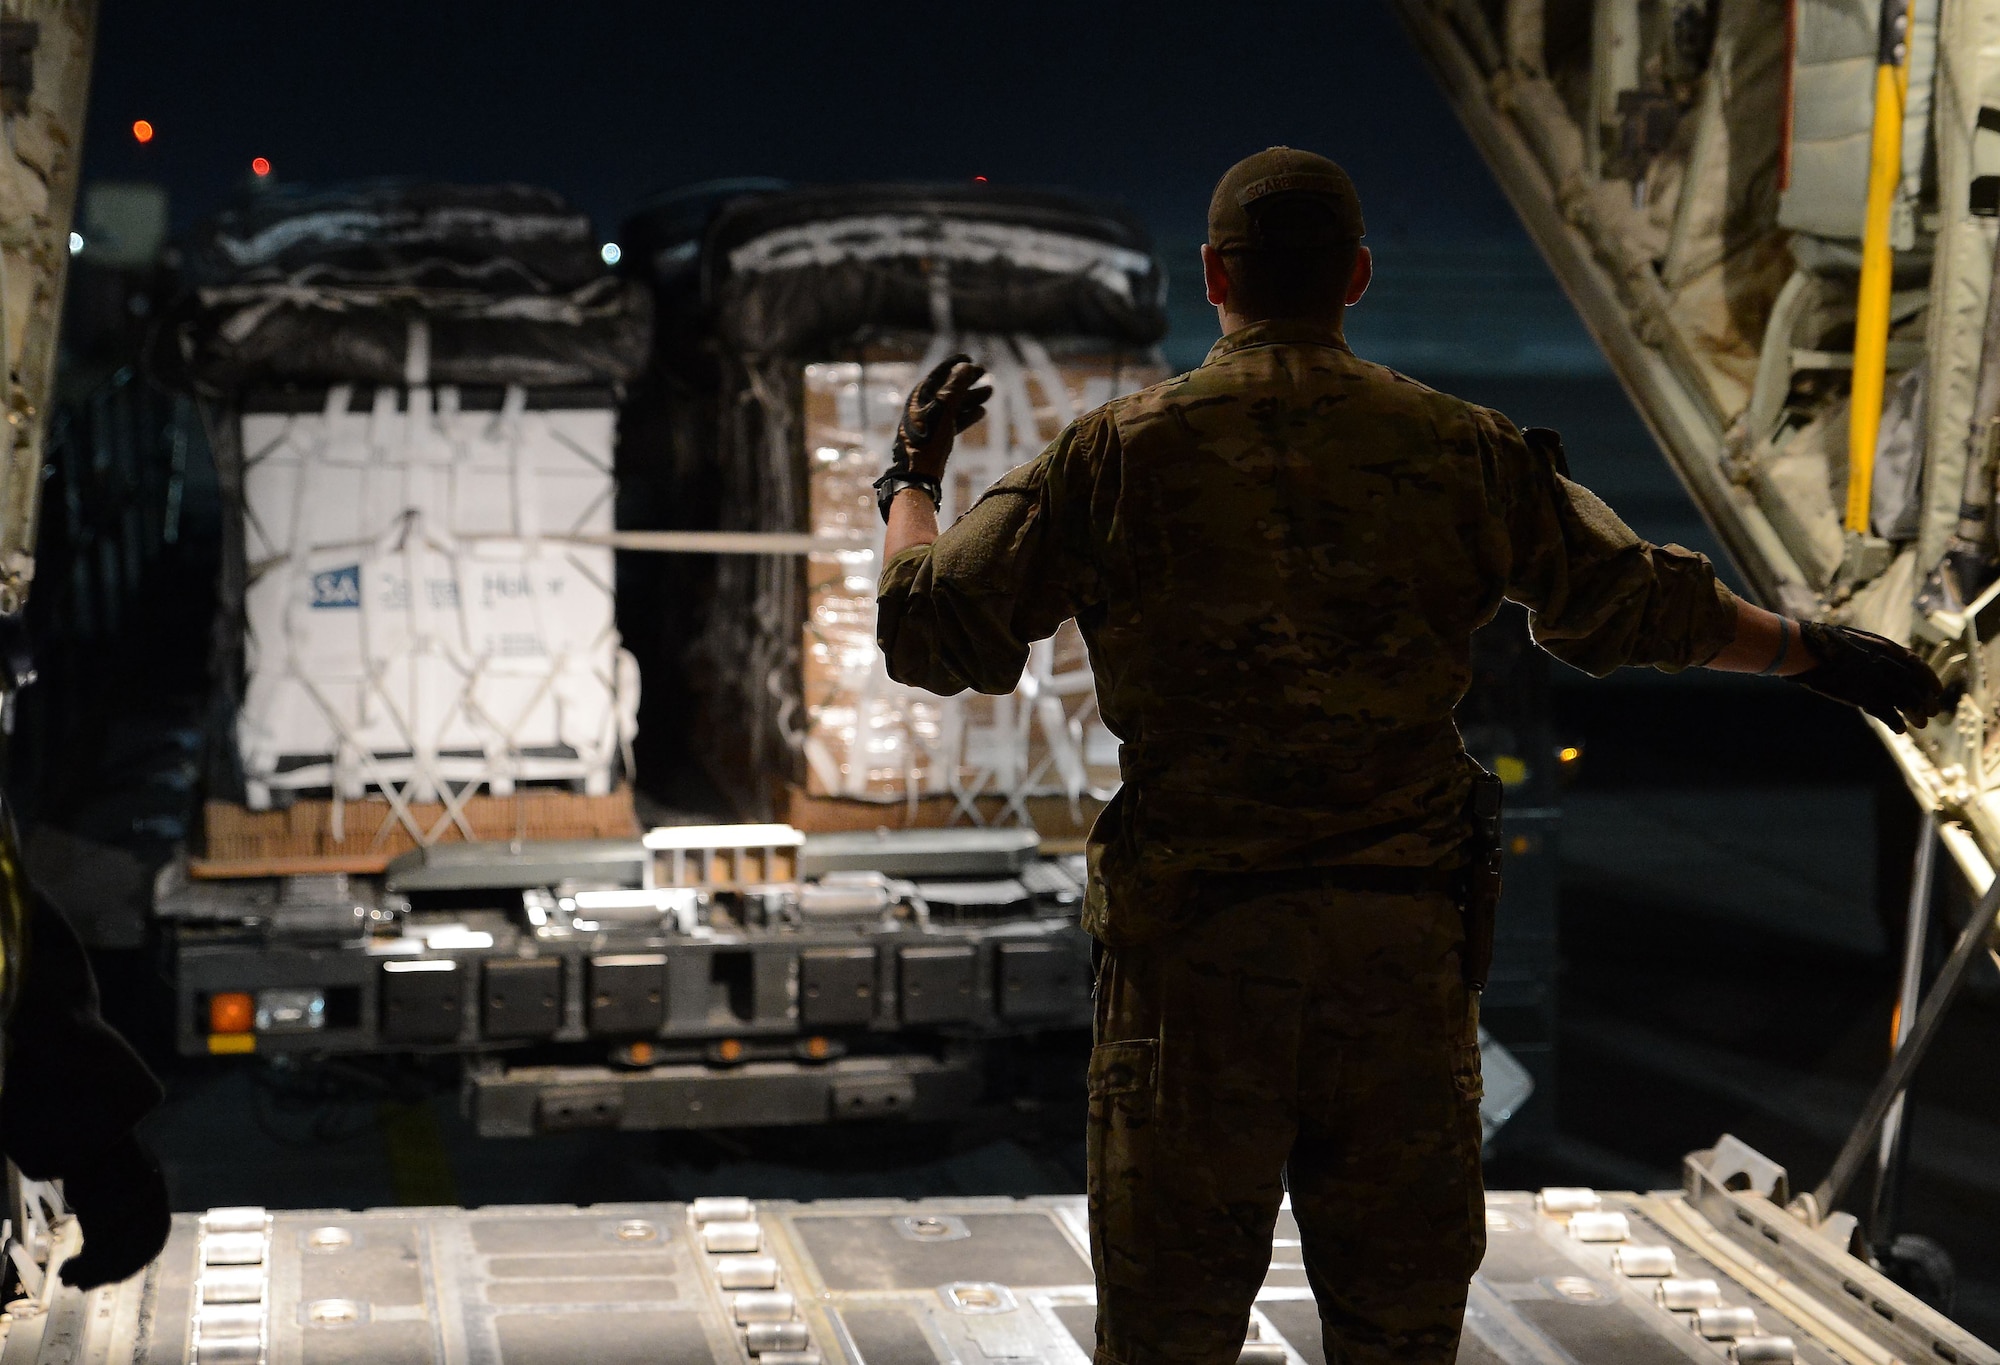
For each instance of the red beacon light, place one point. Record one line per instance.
(260, 166)
(142, 131)
(979, 180)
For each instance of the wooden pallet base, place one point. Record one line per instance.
(1060, 830)
(302, 839)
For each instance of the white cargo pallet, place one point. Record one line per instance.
(407, 624)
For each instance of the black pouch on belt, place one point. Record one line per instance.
(1479, 891)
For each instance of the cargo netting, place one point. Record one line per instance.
(800, 319)
(411, 394)
(419, 620)
(875, 739)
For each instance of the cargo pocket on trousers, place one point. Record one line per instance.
(1122, 1151)
(1466, 1076)
(1471, 1088)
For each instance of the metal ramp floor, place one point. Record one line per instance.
(1570, 1278)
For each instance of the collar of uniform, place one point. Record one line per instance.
(1278, 332)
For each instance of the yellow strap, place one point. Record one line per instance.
(1871, 314)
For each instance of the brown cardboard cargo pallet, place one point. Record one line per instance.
(300, 840)
(851, 707)
(1060, 831)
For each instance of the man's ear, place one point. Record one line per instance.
(1364, 271)
(1215, 275)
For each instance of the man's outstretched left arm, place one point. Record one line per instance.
(1602, 597)
(1855, 667)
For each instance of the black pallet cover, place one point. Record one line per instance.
(321, 286)
(711, 438)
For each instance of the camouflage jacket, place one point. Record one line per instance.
(1277, 561)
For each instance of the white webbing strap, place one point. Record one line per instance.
(926, 237)
(511, 428)
(382, 431)
(423, 442)
(1043, 367)
(333, 418)
(417, 354)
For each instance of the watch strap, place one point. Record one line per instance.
(896, 480)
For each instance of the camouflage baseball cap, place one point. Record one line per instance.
(1283, 175)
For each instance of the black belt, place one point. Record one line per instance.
(1369, 878)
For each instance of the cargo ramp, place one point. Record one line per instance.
(1714, 1271)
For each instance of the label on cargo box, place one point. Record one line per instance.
(501, 586)
(520, 646)
(440, 594)
(339, 587)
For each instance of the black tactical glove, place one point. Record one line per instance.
(120, 1200)
(940, 407)
(1877, 675)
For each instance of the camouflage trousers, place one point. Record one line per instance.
(1312, 1040)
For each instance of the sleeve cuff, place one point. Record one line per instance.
(901, 568)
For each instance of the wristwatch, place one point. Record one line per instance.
(896, 480)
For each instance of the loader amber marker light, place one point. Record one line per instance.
(231, 1012)
(231, 1016)
(260, 166)
(1569, 754)
(142, 131)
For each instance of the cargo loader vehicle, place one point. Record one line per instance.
(699, 976)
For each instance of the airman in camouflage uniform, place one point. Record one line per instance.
(1278, 560)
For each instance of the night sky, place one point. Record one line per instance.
(608, 102)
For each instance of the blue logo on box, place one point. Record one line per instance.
(337, 587)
